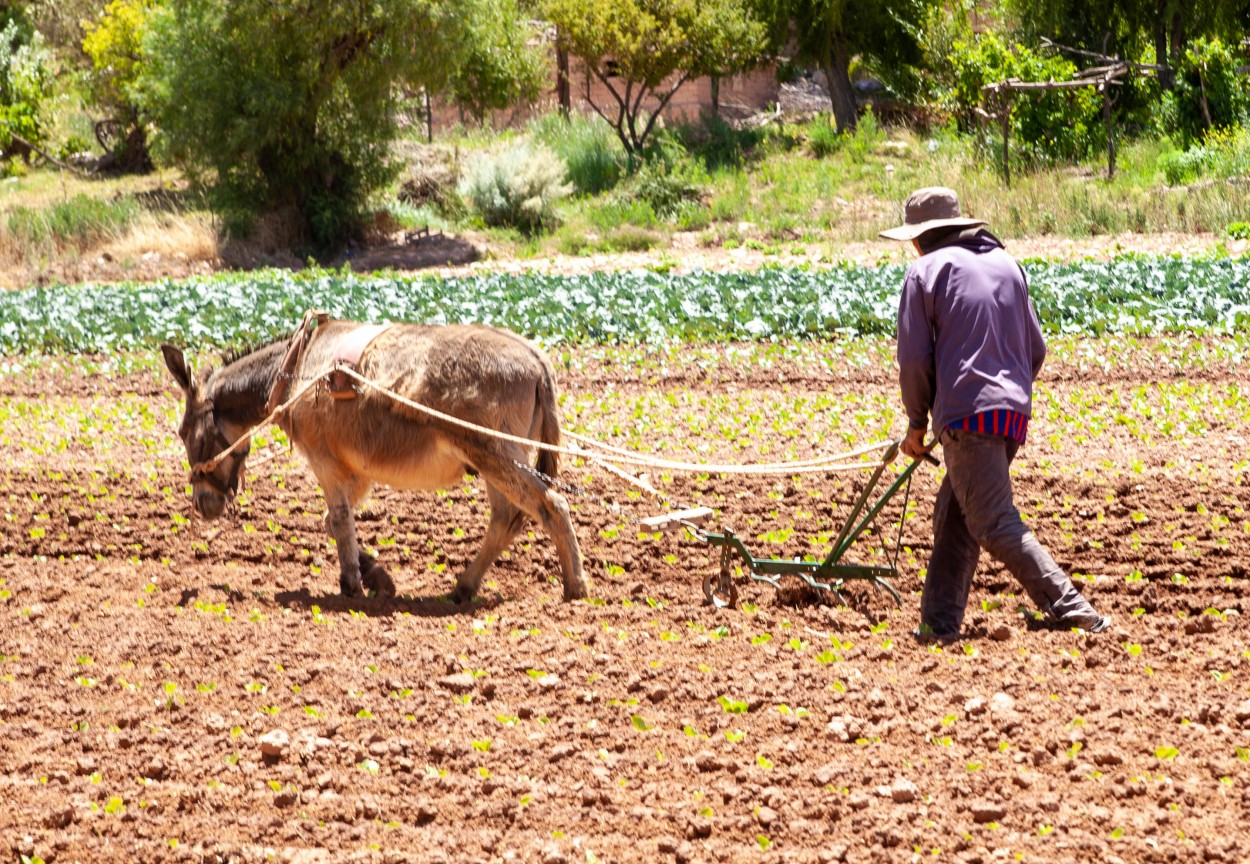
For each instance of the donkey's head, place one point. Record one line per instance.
(206, 431)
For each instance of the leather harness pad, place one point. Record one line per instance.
(351, 346)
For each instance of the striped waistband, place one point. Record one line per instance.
(1011, 424)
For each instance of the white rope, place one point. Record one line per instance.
(818, 460)
(621, 457)
(610, 454)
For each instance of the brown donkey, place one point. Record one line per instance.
(488, 377)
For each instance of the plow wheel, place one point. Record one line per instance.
(720, 591)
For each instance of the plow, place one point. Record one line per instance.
(830, 574)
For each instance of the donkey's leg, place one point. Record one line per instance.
(558, 521)
(505, 521)
(341, 525)
(498, 466)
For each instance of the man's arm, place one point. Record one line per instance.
(1037, 342)
(916, 372)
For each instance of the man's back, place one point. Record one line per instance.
(969, 340)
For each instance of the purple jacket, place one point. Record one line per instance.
(968, 338)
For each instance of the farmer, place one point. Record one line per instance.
(969, 349)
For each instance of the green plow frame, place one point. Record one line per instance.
(828, 575)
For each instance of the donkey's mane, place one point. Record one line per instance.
(234, 355)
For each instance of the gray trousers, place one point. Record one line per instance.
(974, 511)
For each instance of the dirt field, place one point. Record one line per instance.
(142, 659)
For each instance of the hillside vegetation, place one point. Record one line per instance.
(129, 159)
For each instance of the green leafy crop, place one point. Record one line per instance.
(1130, 295)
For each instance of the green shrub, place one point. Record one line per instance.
(516, 185)
(1210, 94)
(666, 187)
(73, 146)
(1224, 154)
(868, 135)
(692, 216)
(1238, 230)
(717, 143)
(631, 238)
(1184, 166)
(593, 154)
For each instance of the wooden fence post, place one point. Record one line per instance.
(1004, 120)
(1106, 117)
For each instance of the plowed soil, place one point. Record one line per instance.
(145, 659)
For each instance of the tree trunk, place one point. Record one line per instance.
(837, 68)
(563, 90)
(1178, 38)
(716, 96)
(1161, 43)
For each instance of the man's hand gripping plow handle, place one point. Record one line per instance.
(913, 445)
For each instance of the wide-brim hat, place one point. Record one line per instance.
(928, 209)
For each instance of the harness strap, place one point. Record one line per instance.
(282, 381)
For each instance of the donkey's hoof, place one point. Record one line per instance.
(377, 580)
(575, 592)
(461, 594)
(348, 589)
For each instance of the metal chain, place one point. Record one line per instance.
(550, 481)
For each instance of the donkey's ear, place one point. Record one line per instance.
(177, 365)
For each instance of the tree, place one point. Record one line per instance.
(504, 64)
(1125, 27)
(115, 46)
(643, 51)
(289, 106)
(831, 33)
(25, 81)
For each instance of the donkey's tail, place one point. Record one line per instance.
(549, 421)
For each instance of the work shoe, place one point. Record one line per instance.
(1090, 622)
(925, 635)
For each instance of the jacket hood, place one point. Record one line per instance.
(977, 238)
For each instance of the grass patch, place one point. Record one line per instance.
(592, 152)
(80, 220)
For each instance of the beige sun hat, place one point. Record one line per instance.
(927, 209)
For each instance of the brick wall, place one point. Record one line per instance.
(740, 96)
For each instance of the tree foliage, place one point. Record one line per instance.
(1126, 27)
(642, 51)
(504, 62)
(287, 106)
(1052, 124)
(884, 34)
(25, 82)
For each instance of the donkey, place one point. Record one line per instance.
(488, 377)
